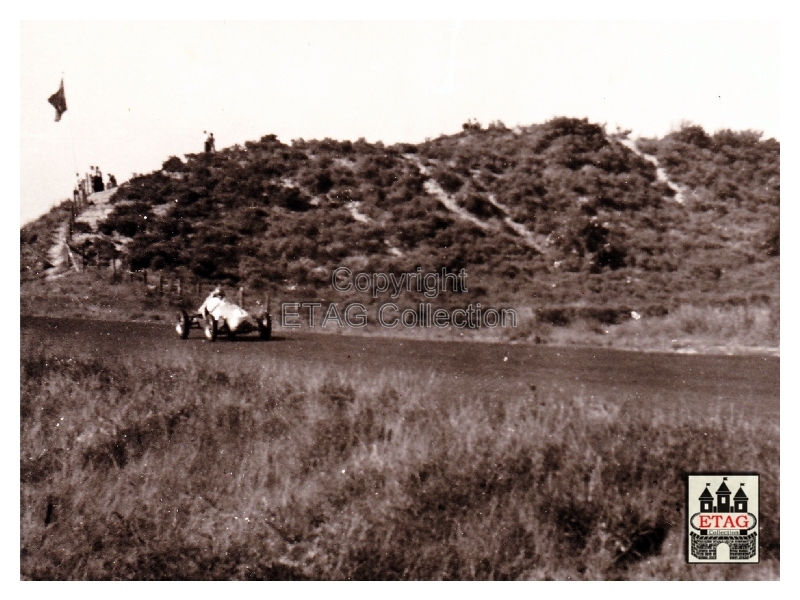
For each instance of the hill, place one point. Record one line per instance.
(566, 222)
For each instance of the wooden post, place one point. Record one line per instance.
(71, 219)
(179, 287)
(241, 296)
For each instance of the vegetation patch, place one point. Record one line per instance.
(195, 470)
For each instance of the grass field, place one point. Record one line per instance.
(191, 467)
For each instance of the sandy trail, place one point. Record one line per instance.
(661, 174)
(99, 209)
(434, 189)
(526, 234)
(354, 212)
(59, 253)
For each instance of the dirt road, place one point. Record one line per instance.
(746, 385)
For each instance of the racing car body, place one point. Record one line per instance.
(217, 315)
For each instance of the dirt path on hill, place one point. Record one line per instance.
(99, 208)
(433, 188)
(518, 228)
(59, 253)
(661, 173)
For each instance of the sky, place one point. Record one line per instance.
(140, 91)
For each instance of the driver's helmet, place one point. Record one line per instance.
(218, 293)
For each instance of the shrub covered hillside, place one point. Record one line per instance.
(561, 214)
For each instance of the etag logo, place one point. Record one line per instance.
(722, 518)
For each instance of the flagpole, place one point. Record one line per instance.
(72, 140)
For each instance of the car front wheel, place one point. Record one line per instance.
(210, 328)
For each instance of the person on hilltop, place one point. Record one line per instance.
(210, 144)
(112, 182)
(97, 180)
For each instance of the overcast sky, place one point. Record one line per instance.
(138, 92)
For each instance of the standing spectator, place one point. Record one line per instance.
(112, 182)
(210, 144)
(97, 181)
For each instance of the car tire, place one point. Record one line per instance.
(265, 327)
(183, 325)
(210, 328)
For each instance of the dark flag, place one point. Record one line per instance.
(59, 101)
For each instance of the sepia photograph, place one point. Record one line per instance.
(369, 300)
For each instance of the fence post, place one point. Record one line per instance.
(179, 287)
(241, 296)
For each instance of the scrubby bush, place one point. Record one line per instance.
(81, 227)
(449, 181)
(173, 164)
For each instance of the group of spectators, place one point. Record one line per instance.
(91, 183)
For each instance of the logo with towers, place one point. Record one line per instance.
(722, 524)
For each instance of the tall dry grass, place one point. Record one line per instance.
(184, 470)
(687, 327)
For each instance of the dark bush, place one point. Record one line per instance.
(481, 207)
(560, 317)
(692, 134)
(127, 225)
(173, 164)
(324, 182)
(773, 240)
(158, 263)
(81, 227)
(449, 181)
(611, 256)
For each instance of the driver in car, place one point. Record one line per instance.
(221, 309)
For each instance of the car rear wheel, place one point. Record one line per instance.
(265, 327)
(183, 325)
(210, 328)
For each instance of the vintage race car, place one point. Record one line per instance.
(219, 316)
